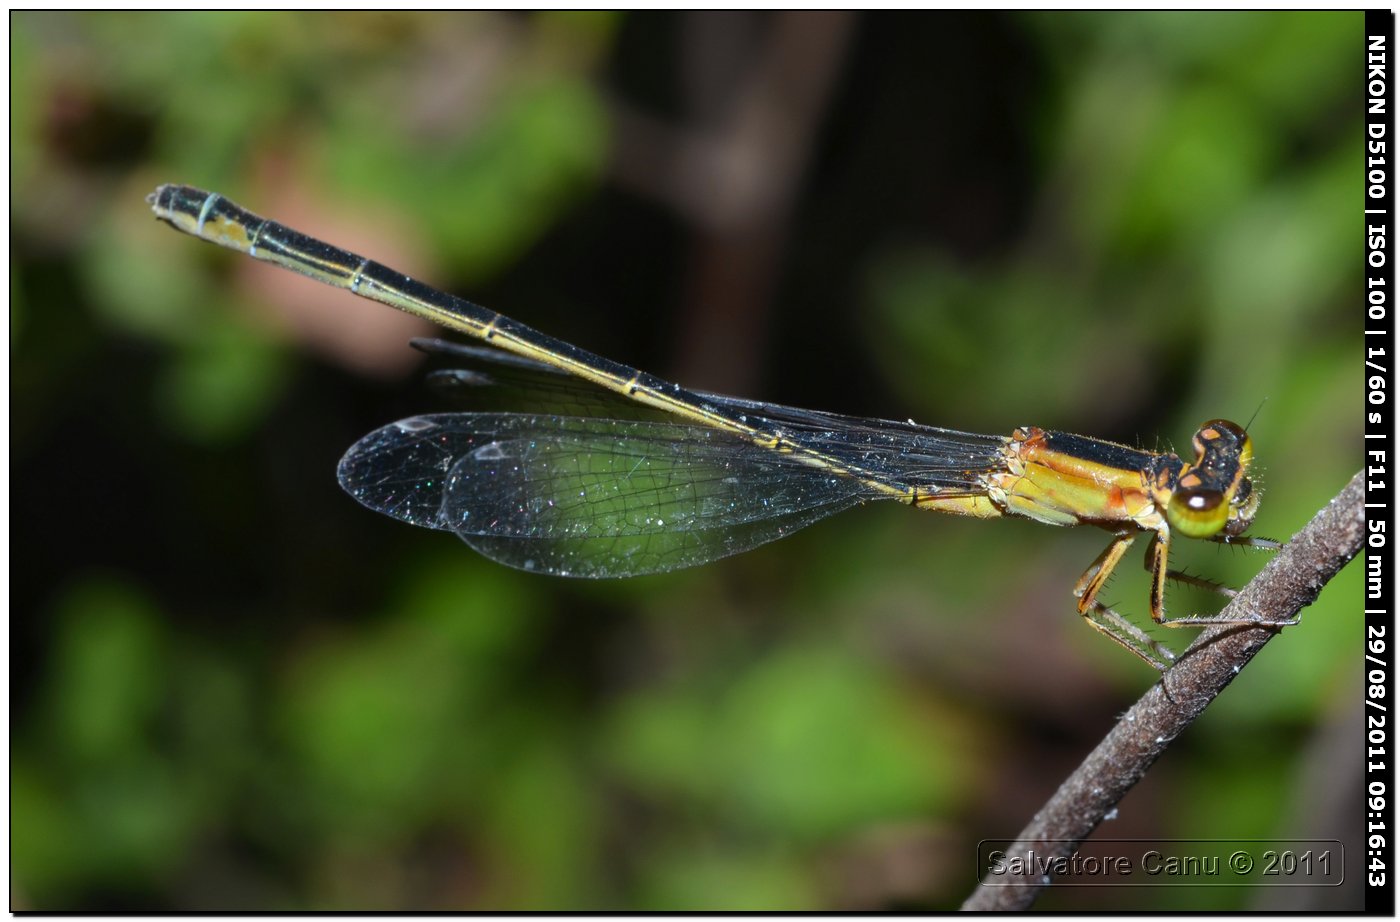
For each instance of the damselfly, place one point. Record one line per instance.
(657, 477)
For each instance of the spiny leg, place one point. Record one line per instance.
(1128, 636)
(1157, 563)
(1263, 544)
(1179, 576)
(1107, 621)
(1098, 572)
(1199, 620)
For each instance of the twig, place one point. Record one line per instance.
(733, 171)
(1290, 582)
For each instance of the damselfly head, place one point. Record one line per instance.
(1213, 493)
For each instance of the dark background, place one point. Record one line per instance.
(232, 687)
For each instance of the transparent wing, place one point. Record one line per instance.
(483, 379)
(585, 497)
(899, 453)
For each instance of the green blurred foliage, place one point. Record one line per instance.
(235, 689)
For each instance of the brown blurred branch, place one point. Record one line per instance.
(1290, 582)
(732, 171)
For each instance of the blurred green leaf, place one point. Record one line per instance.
(487, 195)
(107, 683)
(542, 824)
(108, 807)
(713, 880)
(386, 723)
(222, 384)
(817, 742)
(808, 743)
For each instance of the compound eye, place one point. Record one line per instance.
(1198, 513)
(1224, 426)
(1213, 431)
(1223, 439)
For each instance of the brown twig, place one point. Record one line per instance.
(1290, 582)
(733, 171)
